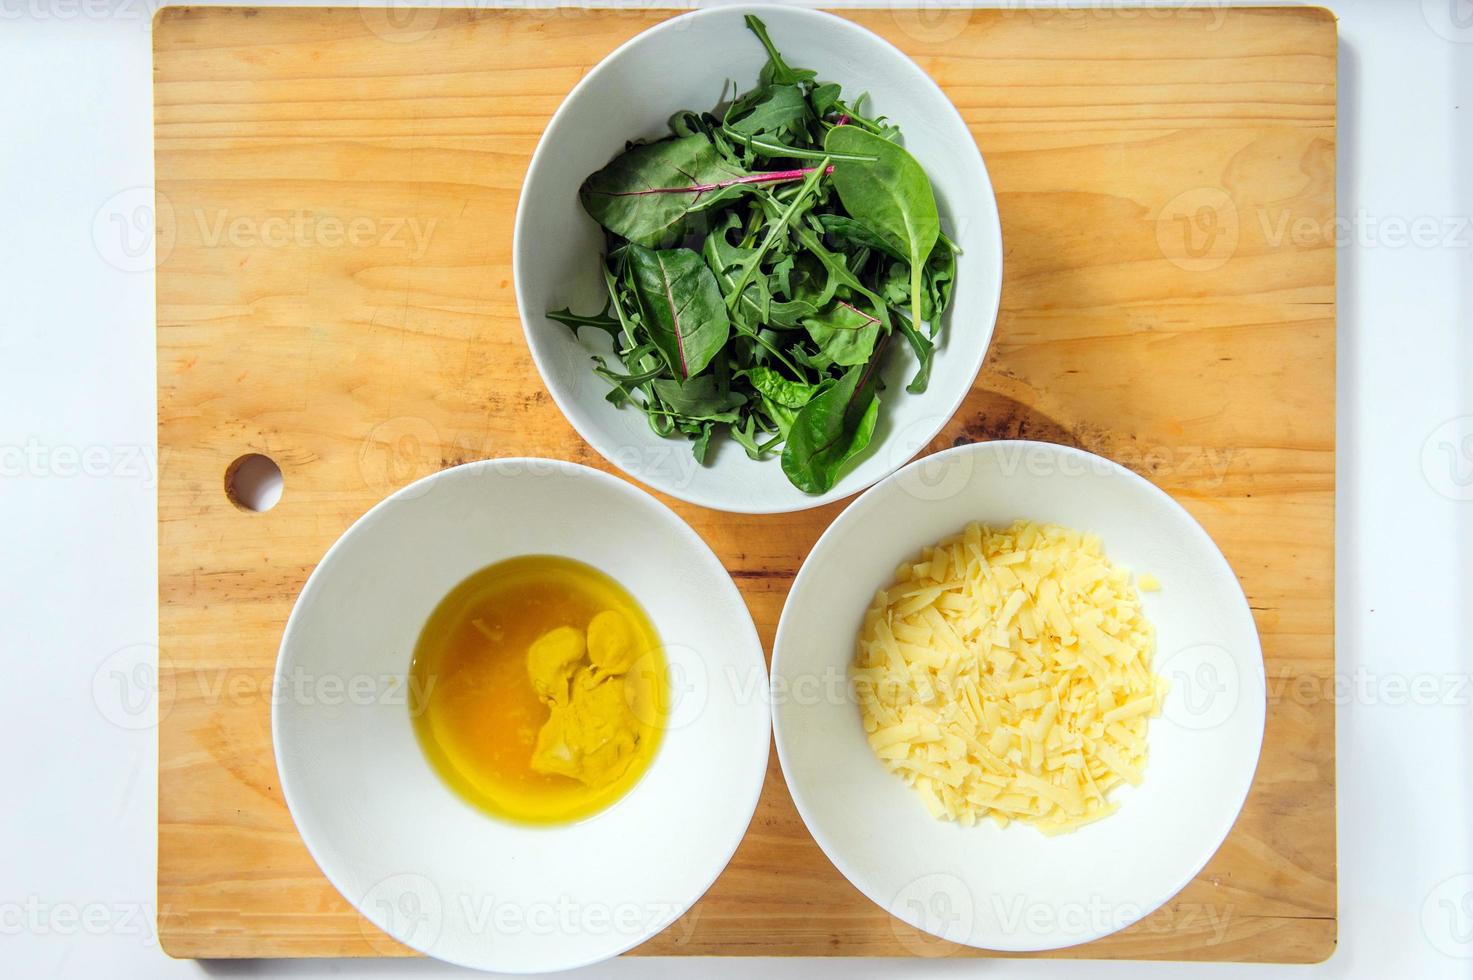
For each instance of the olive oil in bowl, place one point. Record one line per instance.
(543, 690)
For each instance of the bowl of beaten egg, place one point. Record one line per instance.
(1018, 697)
(520, 716)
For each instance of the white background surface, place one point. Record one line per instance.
(77, 538)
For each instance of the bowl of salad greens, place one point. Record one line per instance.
(757, 258)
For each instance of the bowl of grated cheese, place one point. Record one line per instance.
(1018, 697)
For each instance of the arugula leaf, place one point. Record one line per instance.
(832, 429)
(776, 110)
(776, 71)
(850, 234)
(924, 349)
(681, 307)
(599, 321)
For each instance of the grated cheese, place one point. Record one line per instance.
(1006, 673)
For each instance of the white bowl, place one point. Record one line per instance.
(418, 861)
(683, 63)
(1015, 888)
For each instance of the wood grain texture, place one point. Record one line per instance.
(335, 200)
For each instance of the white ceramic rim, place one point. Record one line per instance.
(803, 501)
(416, 488)
(855, 512)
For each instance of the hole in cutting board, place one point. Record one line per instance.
(253, 482)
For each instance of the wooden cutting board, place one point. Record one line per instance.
(335, 200)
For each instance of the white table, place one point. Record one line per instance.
(77, 535)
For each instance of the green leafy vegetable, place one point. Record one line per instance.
(681, 306)
(758, 261)
(891, 198)
(832, 429)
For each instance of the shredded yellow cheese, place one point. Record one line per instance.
(1007, 673)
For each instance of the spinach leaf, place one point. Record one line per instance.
(681, 307)
(832, 429)
(844, 332)
(781, 397)
(891, 197)
(647, 193)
